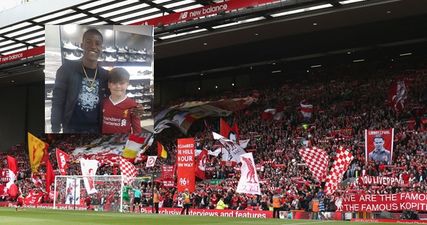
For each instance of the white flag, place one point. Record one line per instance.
(72, 191)
(151, 160)
(89, 168)
(230, 150)
(249, 182)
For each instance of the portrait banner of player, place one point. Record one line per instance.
(379, 145)
(99, 79)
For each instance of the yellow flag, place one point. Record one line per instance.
(36, 148)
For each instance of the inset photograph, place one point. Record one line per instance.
(99, 79)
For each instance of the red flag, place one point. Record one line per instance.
(226, 131)
(50, 176)
(62, 159)
(13, 166)
(200, 165)
(398, 94)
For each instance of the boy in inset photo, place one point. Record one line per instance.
(117, 108)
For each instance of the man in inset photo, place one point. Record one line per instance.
(79, 88)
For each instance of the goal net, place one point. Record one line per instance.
(100, 193)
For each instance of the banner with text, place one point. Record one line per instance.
(379, 145)
(384, 202)
(185, 164)
(380, 181)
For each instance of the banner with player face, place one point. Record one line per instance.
(249, 182)
(185, 165)
(89, 168)
(72, 195)
(379, 145)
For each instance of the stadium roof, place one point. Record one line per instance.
(22, 28)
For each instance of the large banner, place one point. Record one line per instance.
(384, 202)
(379, 145)
(249, 182)
(73, 191)
(215, 212)
(185, 165)
(89, 168)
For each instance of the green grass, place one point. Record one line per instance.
(8, 216)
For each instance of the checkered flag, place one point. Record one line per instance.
(317, 161)
(128, 170)
(339, 167)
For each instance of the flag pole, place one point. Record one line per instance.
(152, 191)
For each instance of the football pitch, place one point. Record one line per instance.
(8, 216)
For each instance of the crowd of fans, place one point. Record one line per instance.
(355, 101)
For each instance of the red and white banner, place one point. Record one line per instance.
(214, 212)
(306, 109)
(21, 55)
(249, 182)
(192, 14)
(13, 170)
(380, 181)
(62, 159)
(89, 168)
(340, 165)
(185, 165)
(33, 198)
(200, 165)
(384, 202)
(151, 161)
(398, 94)
(379, 145)
(317, 161)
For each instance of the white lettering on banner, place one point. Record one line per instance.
(385, 202)
(370, 180)
(213, 212)
(186, 146)
(203, 12)
(376, 132)
(12, 57)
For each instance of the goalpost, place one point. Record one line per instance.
(104, 192)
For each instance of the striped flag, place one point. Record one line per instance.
(339, 167)
(133, 146)
(317, 161)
